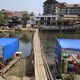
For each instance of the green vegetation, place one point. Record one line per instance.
(32, 14)
(70, 77)
(25, 18)
(4, 19)
(18, 32)
(15, 19)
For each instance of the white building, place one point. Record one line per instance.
(47, 17)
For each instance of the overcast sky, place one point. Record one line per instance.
(29, 5)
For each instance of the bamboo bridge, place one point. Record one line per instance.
(42, 71)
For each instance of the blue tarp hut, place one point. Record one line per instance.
(70, 44)
(9, 47)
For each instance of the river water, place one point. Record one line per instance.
(47, 39)
(25, 44)
(49, 42)
(25, 48)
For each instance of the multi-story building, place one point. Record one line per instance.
(55, 11)
(50, 7)
(71, 9)
(51, 10)
(54, 7)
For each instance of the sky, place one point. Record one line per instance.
(35, 6)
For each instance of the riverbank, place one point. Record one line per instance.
(23, 69)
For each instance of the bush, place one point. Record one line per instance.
(70, 77)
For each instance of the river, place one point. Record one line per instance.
(25, 44)
(47, 39)
(49, 42)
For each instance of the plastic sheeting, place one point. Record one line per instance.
(10, 46)
(70, 44)
(73, 44)
(58, 52)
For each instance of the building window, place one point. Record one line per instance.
(42, 18)
(53, 18)
(48, 18)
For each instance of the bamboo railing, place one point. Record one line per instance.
(42, 71)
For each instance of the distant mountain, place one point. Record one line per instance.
(14, 13)
(20, 13)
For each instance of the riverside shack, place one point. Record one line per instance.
(8, 47)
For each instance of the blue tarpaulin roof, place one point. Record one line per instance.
(69, 43)
(10, 46)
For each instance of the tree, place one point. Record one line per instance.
(32, 14)
(25, 18)
(14, 19)
(4, 19)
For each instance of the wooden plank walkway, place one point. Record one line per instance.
(40, 73)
